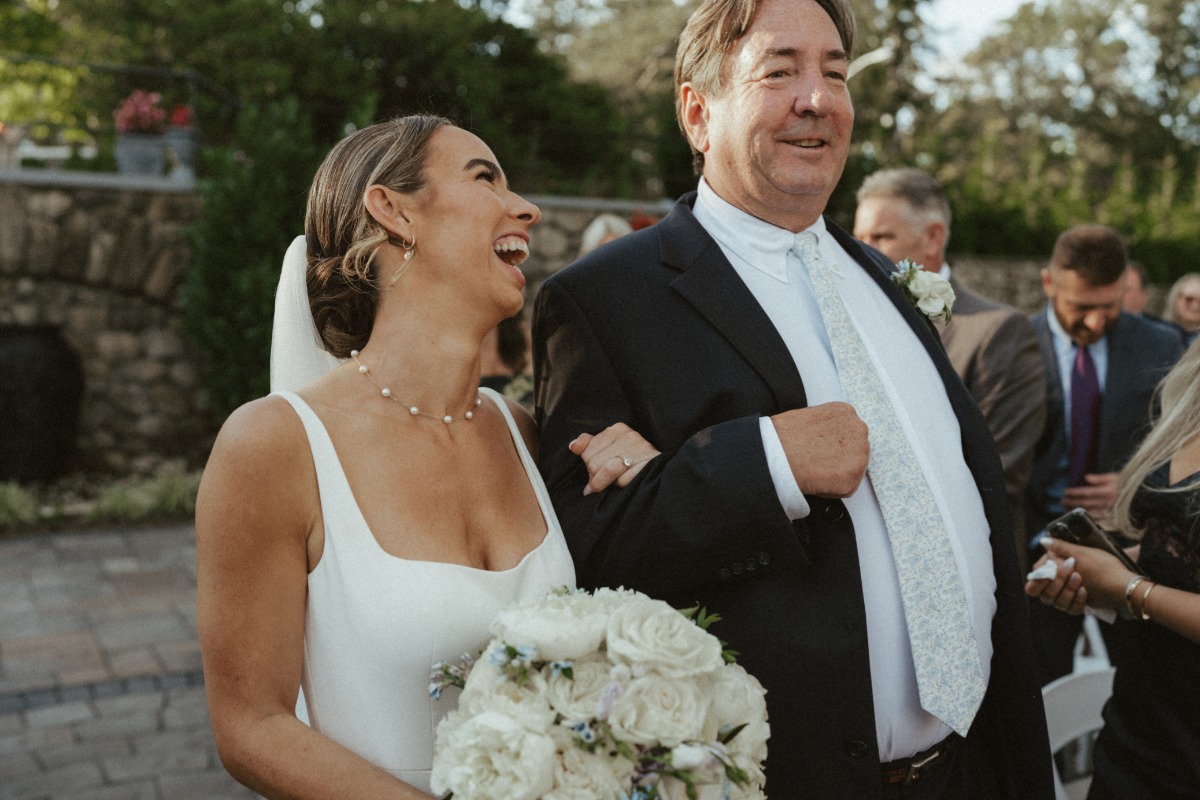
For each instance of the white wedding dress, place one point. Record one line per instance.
(375, 623)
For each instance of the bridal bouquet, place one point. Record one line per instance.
(594, 696)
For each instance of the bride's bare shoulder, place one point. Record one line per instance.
(262, 448)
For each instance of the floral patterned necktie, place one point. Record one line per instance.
(946, 657)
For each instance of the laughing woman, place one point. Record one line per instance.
(354, 531)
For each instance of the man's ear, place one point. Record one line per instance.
(935, 235)
(694, 116)
(390, 209)
(1047, 283)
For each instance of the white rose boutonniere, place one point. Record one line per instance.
(928, 291)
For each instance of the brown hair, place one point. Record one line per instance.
(343, 237)
(1095, 252)
(711, 32)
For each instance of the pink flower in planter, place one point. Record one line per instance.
(140, 113)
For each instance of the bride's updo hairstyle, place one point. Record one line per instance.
(343, 238)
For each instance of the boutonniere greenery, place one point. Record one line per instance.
(928, 291)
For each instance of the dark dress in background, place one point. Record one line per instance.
(1149, 748)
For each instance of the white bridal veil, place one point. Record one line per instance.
(297, 355)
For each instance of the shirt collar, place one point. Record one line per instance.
(755, 243)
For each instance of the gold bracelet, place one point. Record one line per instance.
(1145, 615)
(1129, 587)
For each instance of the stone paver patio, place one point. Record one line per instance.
(101, 691)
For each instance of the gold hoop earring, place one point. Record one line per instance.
(410, 250)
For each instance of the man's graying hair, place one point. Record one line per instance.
(914, 186)
(713, 29)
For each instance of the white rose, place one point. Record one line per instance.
(655, 709)
(654, 634)
(738, 698)
(577, 698)
(580, 775)
(488, 689)
(933, 293)
(491, 757)
(563, 627)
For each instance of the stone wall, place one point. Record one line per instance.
(102, 258)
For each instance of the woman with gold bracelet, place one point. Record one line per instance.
(1150, 745)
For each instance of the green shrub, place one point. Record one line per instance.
(18, 507)
(166, 496)
(253, 207)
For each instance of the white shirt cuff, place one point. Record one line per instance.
(790, 497)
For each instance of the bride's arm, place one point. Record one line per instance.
(603, 454)
(255, 512)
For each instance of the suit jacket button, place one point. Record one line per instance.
(764, 558)
(856, 748)
(751, 565)
(834, 512)
(736, 569)
(723, 574)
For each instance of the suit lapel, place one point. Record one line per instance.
(711, 285)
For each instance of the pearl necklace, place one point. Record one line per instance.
(414, 410)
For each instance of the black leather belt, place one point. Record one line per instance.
(910, 770)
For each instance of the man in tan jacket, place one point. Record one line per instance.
(904, 213)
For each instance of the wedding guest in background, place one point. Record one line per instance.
(726, 335)
(374, 513)
(1182, 306)
(1101, 368)
(1150, 744)
(1134, 296)
(905, 214)
(601, 230)
(505, 365)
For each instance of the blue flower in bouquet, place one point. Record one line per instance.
(603, 696)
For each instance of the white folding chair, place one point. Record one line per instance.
(1073, 704)
(1090, 651)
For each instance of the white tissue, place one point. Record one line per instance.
(1044, 572)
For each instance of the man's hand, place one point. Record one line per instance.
(1097, 495)
(826, 447)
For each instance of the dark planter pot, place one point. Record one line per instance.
(41, 389)
(140, 153)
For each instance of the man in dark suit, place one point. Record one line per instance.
(708, 334)
(1083, 322)
(905, 214)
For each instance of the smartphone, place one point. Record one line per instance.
(1077, 527)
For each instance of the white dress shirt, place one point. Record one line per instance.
(761, 255)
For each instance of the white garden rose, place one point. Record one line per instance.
(656, 636)
(562, 627)
(577, 698)
(655, 709)
(738, 698)
(583, 775)
(932, 293)
(490, 756)
(488, 689)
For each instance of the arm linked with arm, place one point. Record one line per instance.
(691, 513)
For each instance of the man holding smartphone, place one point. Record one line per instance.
(1101, 368)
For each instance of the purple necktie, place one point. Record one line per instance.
(1085, 417)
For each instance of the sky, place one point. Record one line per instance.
(964, 23)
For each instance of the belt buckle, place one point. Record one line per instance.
(914, 769)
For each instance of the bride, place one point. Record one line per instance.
(354, 531)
